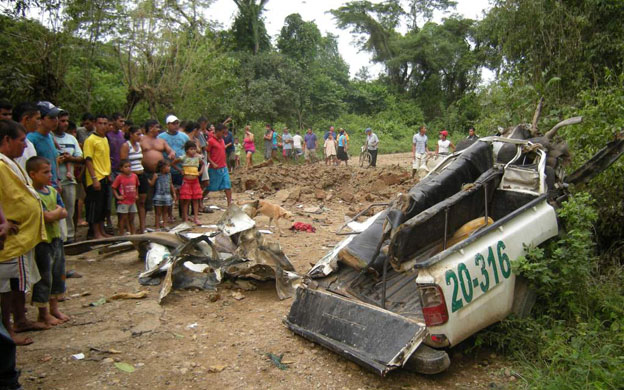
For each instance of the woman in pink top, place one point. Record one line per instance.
(248, 144)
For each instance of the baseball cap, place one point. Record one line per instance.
(171, 119)
(444, 133)
(48, 109)
(368, 129)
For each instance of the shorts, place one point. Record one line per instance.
(176, 178)
(250, 151)
(97, 202)
(13, 275)
(310, 153)
(298, 152)
(274, 147)
(219, 179)
(143, 183)
(163, 200)
(191, 190)
(126, 208)
(50, 259)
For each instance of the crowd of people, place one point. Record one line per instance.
(56, 177)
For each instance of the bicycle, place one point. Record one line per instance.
(365, 157)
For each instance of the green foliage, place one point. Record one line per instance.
(575, 337)
(248, 31)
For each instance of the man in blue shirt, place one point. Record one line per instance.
(309, 146)
(42, 139)
(176, 140)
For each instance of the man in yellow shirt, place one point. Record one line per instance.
(97, 160)
(22, 209)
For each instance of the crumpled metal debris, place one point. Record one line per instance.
(204, 260)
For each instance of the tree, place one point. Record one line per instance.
(248, 30)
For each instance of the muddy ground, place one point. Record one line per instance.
(189, 342)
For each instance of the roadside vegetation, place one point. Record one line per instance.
(151, 57)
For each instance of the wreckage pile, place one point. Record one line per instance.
(184, 259)
(323, 182)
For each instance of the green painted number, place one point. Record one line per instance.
(485, 284)
(456, 303)
(492, 263)
(503, 259)
(462, 270)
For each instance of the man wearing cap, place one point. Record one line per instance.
(371, 145)
(176, 140)
(42, 139)
(444, 145)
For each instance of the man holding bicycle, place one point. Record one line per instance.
(371, 145)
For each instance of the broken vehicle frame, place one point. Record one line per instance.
(411, 283)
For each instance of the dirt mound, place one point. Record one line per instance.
(352, 184)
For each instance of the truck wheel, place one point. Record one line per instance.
(426, 360)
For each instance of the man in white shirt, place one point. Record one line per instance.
(372, 141)
(297, 144)
(420, 151)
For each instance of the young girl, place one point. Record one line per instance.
(126, 189)
(191, 190)
(250, 147)
(330, 150)
(164, 193)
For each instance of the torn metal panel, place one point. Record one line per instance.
(234, 220)
(372, 337)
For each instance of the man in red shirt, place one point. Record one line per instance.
(217, 171)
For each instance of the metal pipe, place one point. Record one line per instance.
(485, 191)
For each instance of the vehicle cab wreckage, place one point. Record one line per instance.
(434, 267)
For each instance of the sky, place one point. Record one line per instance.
(276, 11)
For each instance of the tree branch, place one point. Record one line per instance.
(538, 112)
(570, 121)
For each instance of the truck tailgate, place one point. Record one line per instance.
(372, 337)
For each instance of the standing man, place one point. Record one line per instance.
(27, 115)
(268, 141)
(98, 164)
(42, 138)
(309, 145)
(219, 177)
(328, 132)
(229, 150)
(472, 136)
(87, 127)
(6, 110)
(24, 214)
(419, 150)
(371, 145)
(154, 148)
(176, 140)
(71, 154)
(287, 140)
(297, 145)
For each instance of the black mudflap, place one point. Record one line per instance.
(370, 336)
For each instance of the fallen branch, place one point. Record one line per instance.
(538, 112)
(570, 121)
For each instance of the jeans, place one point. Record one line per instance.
(69, 198)
(8, 373)
(50, 259)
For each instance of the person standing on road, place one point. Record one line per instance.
(343, 147)
(268, 142)
(297, 145)
(287, 140)
(420, 149)
(372, 141)
(444, 145)
(71, 154)
(218, 172)
(309, 146)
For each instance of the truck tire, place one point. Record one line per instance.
(429, 361)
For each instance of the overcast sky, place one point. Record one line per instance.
(224, 12)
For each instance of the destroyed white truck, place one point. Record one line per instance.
(435, 266)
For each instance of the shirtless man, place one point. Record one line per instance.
(154, 147)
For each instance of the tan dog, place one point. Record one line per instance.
(274, 212)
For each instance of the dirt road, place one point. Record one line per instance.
(189, 342)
